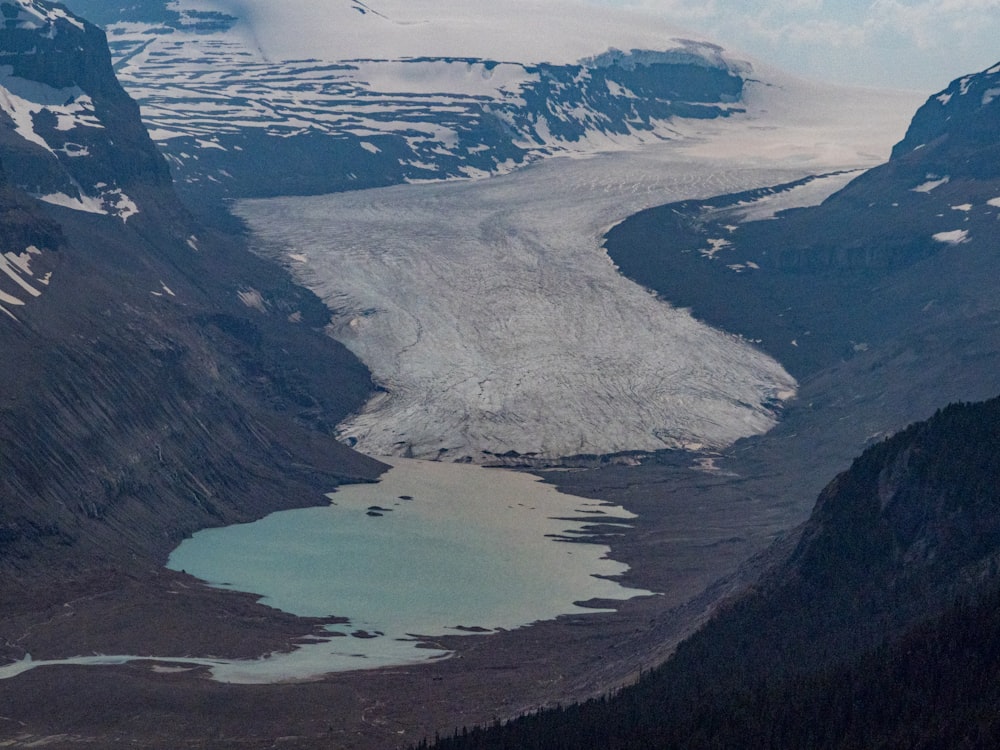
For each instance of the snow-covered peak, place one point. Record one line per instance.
(526, 31)
(65, 126)
(966, 113)
(28, 14)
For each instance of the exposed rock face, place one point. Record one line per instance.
(961, 119)
(156, 378)
(69, 132)
(920, 509)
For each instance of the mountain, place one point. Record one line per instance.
(970, 101)
(347, 95)
(876, 629)
(880, 300)
(158, 378)
(73, 136)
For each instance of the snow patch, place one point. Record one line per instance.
(944, 98)
(113, 202)
(962, 207)
(811, 193)
(252, 299)
(204, 143)
(954, 237)
(86, 203)
(119, 204)
(714, 246)
(616, 89)
(989, 95)
(995, 202)
(16, 268)
(932, 182)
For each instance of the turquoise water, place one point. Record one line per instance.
(432, 549)
(469, 547)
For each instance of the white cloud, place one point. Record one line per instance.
(918, 43)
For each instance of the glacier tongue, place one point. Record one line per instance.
(495, 323)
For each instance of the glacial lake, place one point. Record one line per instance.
(432, 549)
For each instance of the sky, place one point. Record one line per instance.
(913, 44)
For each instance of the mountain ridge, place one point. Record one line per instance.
(376, 112)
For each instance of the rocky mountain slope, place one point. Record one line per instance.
(157, 378)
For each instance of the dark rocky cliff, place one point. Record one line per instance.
(958, 129)
(68, 127)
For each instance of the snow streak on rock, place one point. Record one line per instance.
(17, 279)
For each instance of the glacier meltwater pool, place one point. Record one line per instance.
(431, 549)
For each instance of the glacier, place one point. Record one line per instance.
(496, 325)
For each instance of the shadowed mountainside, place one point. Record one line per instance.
(157, 377)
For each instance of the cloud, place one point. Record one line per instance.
(912, 43)
(933, 21)
(841, 24)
